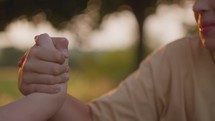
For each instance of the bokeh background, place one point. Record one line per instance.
(108, 38)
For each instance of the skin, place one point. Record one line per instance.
(45, 79)
(45, 68)
(31, 107)
(74, 110)
(204, 11)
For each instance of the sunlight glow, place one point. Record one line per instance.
(167, 24)
(21, 33)
(118, 30)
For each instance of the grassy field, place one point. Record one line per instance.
(81, 85)
(8, 85)
(92, 75)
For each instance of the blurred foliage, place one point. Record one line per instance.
(112, 64)
(102, 62)
(92, 73)
(8, 85)
(81, 85)
(57, 11)
(10, 56)
(115, 64)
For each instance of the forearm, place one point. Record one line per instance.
(73, 110)
(34, 107)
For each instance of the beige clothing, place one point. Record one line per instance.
(176, 83)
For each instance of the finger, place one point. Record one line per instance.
(51, 55)
(61, 44)
(44, 67)
(44, 40)
(40, 88)
(35, 78)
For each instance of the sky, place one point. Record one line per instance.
(117, 31)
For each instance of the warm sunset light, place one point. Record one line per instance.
(118, 30)
(167, 24)
(108, 51)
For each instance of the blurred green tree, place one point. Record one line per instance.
(10, 56)
(60, 11)
(141, 9)
(57, 11)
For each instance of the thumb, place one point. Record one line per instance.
(61, 44)
(44, 40)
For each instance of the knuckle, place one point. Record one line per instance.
(67, 68)
(59, 57)
(23, 89)
(50, 80)
(33, 88)
(47, 90)
(51, 89)
(65, 77)
(56, 69)
(60, 79)
(56, 79)
(63, 68)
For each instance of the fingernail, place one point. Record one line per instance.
(65, 52)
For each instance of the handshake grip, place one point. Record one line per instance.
(44, 40)
(38, 105)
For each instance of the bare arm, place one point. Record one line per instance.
(73, 110)
(52, 64)
(34, 107)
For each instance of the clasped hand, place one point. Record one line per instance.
(46, 65)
